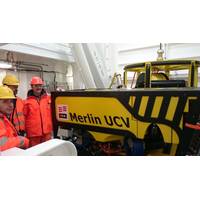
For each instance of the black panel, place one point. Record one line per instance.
(147, 76)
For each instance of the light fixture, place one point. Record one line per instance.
(4, 65)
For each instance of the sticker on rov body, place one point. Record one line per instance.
(63, 111)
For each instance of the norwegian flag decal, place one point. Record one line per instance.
(62, 111)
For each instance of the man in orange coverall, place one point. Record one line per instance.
(17, 116)
(8, 134)
(37, 112)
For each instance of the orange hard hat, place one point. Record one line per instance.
(36, 81)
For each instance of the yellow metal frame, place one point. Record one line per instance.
(166, 66)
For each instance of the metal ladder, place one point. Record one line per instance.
(116, 79)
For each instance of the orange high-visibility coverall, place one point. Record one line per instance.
(38, 120)
(9, 137)
(17, 117)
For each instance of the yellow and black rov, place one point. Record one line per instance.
(147, 120)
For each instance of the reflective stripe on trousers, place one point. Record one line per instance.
(21, 141)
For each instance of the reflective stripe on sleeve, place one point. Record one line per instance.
(3, 140)
(20, 123)
(20, 113)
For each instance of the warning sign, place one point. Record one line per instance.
(62, 111)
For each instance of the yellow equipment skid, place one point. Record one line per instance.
(154, 116)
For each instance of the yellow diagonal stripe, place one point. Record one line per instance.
(156, 107)
(132, 101)
(171, 108)
(143, 105)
